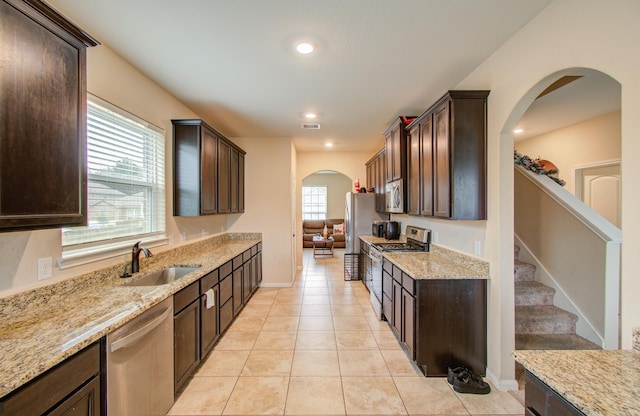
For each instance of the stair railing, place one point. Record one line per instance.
(578, 248)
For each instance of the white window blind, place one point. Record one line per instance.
(314, 202)
(126, 187)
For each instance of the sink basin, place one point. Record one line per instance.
(162, 277)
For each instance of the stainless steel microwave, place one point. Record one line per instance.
(394, 197)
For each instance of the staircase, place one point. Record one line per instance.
(539, 324)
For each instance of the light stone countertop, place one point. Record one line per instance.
(42, 327)
(438, 263)
(597, 382)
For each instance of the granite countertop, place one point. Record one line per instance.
(597, 382)
(42, 327)
(438, 263)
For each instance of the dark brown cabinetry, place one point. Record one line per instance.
(396, 149)
(376, 174)
(209, 328)
(447, 158)
(440, 322)
(541, 400)
(208, 171)
(198, 325)
(71, 388)
(186, 333)
(43, 107)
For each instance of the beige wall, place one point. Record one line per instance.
(588, 142)
(567, 34)
(337, 186)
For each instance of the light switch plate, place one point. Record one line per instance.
(45, 266)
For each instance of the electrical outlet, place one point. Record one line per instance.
(434, 236)
(183, 236)
(477, 247)
(44, 268)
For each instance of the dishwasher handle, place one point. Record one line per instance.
(133, 337)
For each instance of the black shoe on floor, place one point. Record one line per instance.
(454, 373)
(469, 383)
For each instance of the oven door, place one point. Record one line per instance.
(394, 197)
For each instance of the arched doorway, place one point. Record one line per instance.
(336, 186)
(571, 122)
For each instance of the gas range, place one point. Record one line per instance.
(418, 239)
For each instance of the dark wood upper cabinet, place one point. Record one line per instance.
(396, 148)
(43, 111)
(451, 154)
(208, 171)
(376, 174)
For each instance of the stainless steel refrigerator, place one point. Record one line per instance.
(360, 213)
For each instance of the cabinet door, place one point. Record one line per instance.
(240, 182)
(396, 316)
(234, 179)
(396, 156)
(84, 402)
(413, 180)
(237, 291)
(246, 281)
(186, 343)
(209, 331)
(209, 173)
(381, 169)
(43, 107)
(224, 177)
(426, 166)
(442, 180)
(408, 322)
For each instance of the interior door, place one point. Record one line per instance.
(600, 189)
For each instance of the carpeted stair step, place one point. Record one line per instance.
(524, 271)
(554, 342)
(529, 293)
(547, 319)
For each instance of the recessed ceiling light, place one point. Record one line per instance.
(310, 116)
(305, 48)
(328, 144)
(518, 131)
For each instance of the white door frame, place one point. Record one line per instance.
(578, 173)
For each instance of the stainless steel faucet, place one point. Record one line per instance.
(135, 256)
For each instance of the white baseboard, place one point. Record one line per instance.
(502, 385)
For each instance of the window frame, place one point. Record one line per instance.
(88, 252)
(313, 215)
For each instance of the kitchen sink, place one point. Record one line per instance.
(162, 277)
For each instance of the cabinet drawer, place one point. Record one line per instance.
(225, 270)
(535, 395)
(40, 395)
(408, 284)
(246, 256)
(226, 289)
(254, 250)
(387, 266)
(185, 297)
(237, 261)
(397, 274)
(209, 280)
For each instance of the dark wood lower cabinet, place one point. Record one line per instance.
(542, 400)
(73, 387)
(186, 333)
(440, 322)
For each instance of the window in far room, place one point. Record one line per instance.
(314, 202)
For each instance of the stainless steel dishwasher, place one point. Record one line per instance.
(140, 364)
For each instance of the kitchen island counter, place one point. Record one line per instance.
(596, 382)
(40, 328)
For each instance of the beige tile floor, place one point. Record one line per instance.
(317, 349)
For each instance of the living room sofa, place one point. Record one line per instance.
(315, 227)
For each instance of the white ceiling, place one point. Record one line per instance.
(233, 62)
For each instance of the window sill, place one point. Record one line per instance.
(87, 255)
